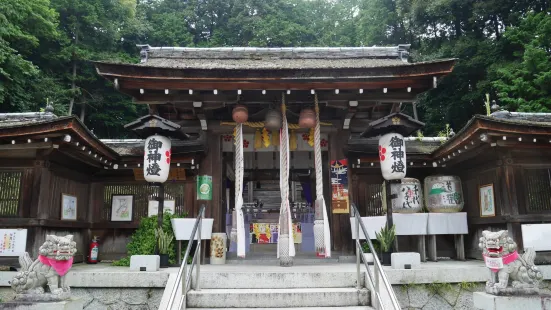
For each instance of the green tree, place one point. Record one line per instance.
(95, 30)
(524, 84)
(25, 25)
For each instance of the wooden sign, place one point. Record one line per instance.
(175, 174)
(339, 186)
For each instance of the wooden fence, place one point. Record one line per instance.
(142, 193)
(10, 190)
(537, 183)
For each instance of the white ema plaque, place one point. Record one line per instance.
(494, 262)
(392, 155)
(156, 159)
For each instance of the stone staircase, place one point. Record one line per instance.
(279, 290)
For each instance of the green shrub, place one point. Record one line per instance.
(143, 240)
(376, 247)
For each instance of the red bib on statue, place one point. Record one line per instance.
(497, 263)
(60, 266)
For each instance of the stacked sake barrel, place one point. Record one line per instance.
(442, 194)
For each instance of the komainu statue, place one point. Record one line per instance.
(44, 279)
(510, 273)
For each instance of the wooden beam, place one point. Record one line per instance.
(17, 162)
(82, 156)
(34, 222)
(522, 218)
(161, 84)
(210, 101)
(27, 146)
(415, 116)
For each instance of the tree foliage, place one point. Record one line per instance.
(524, 83)
(47, 46)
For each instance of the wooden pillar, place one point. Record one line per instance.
(341, 232)
(212, 165)
(26, 193)
(41, 180)
(506, 179)
(432, 248)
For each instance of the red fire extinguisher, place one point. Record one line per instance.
(93, 251)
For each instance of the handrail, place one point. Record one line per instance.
(378, 269)
(183, 268)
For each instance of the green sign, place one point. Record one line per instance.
(204, 187)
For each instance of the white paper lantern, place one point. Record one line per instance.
(156, 160)
(392, 155)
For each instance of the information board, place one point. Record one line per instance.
(13, 242)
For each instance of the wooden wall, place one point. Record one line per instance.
(42, 184)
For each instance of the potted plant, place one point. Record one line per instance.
(164, 239)
(385, 239)
(368, 255)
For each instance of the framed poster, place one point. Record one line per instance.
(153, 207)
(121, 208)
(487, 201)
(339, 186)
(68, 207)
(13, 242)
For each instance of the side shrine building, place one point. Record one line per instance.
(58, 177)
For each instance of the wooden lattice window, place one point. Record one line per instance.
(10, 188)
(537, 184)
(142, 193)
(373, 201)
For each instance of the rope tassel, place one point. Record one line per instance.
(322, 235)
(285, 243)
(239, 172)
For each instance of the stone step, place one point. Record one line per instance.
(294, 308)
(281, 280)
(277, 298)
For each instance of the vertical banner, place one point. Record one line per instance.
(339, 186)
(204, 187)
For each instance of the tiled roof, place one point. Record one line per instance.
(22, 119)
(274, 58)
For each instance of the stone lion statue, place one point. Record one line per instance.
(510, 273)
(44, 278)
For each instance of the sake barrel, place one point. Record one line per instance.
(444, 194)
(218, 248)
(409, 196)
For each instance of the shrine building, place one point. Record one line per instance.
(56, 176)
